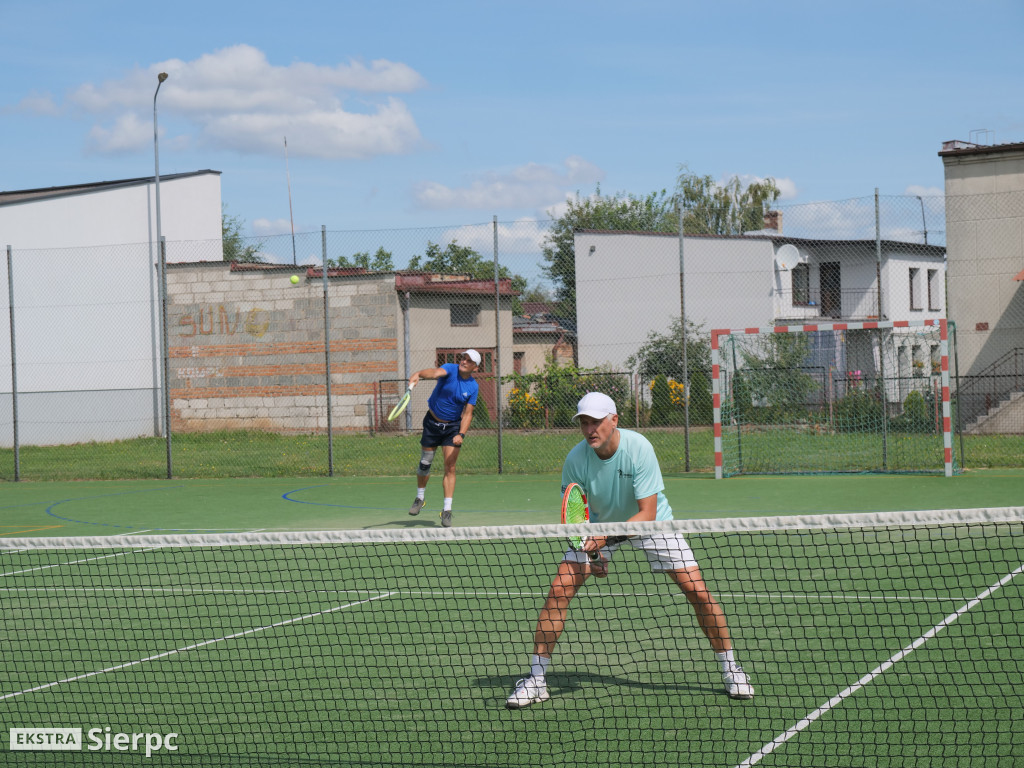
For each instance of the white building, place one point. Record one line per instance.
(628, 284)
(85, 296)
(984, 225)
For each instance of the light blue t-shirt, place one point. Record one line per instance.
(613, 486)
(452, 393)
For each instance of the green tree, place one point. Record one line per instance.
(653, 213)
(701, 403)
(381, 261)
(556, 389)
(234, 246)
(775, 374)
(661, 402)
(461, 259)
(732, 208)
(662, 353)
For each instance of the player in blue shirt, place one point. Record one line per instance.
(620, 473)
(450, 411)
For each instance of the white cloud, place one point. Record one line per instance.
(36, 104)
(787, 187)
(916, 190)
(266, 227)
(127, 134)
(236, 99)
(523, 236)
(529, 186)
(329, 133)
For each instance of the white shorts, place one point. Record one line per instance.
(665, 552)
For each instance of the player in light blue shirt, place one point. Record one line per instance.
(613, 485)
(620, 474)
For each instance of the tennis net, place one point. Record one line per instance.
(888, 639)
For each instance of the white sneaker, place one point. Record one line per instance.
(529, 690)
(737, 684)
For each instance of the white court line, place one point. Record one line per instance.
(827, 597)
(782, 738)
(193, 647)
(74, 562)
(491, 593)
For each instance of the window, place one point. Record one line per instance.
(465, 314)
(934, 290)
(915, 292)
(801, 275)
(517, 361)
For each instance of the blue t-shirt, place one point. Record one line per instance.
(451, 394)
(614, 485)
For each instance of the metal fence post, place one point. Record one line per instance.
(682, 323)
(14, 365)
(497, 342)
(327, 356)
(165, 354)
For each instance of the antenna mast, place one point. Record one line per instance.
(291, 217)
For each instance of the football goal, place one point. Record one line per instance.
(832, 398)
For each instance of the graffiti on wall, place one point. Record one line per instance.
(206, 321)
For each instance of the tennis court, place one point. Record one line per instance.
(874, 640)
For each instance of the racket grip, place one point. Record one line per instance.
(594, 555)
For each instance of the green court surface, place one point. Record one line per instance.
(868, 647)
(108, 507)
(880, 648)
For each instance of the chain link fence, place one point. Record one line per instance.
(276, 366)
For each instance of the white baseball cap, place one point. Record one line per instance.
(473, 355)
(596, 405)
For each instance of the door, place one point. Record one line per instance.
(830, 288)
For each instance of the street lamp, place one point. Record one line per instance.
(162, 272)
(156, 155)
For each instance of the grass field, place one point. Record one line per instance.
(402, 655)
(262, 454)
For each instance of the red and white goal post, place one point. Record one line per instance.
(833, 397)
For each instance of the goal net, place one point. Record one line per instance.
(833, 397)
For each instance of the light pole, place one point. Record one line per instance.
(162, 272)
(156, 155)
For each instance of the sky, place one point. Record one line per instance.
(410, 114)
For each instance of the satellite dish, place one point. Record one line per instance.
(788, 256)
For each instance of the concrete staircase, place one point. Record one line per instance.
(1006, 417)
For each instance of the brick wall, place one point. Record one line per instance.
(247, 347)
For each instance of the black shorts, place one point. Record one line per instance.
(437, 433)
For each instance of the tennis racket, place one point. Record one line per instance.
(397, 410)
(575, 511)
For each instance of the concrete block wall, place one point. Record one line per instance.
(247, 347)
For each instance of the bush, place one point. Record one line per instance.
(557, 389)
(858, 411)
(524, 410)
(481, 415)
(661, 401)
(701, 404)
(916, 416)
(742, 401)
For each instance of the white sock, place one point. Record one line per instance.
(539, 666)
(448, 504)
(421, 493)
(726, 659)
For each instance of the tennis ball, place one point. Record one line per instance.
(295, 279)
